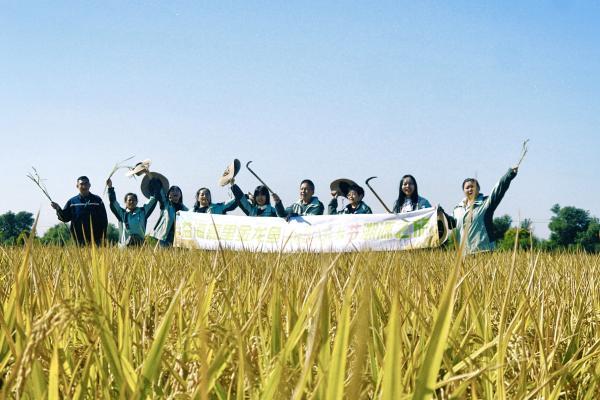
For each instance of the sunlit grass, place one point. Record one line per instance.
(108, 323)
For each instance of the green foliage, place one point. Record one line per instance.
(13, 227)
(150, 240)
(112, 234)
(573, 228)
(500, 226)
(58, 235)
(526, 239)
(590, 239)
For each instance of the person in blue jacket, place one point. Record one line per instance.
(204, 203)
(170, 204)
(258, 206)
(87, 215)
(473, 216)
(132, 219)
(408, 196)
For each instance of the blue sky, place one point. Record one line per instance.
(305, 90)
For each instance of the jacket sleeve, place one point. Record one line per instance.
(281, 212)
(102, 217)
(241, 199)
(332, 207)
(116, 209)
(150, 206)
(499, 190)
(162, 199)
(320, 209)
(230, 205)
(424, 203)
(65, 215)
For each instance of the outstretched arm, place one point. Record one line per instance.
(116, 209)
(332, 206)
(500, 189)
(281, 212)
(241, 199)
(63, 214)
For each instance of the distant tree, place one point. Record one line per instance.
(569, 228)
(526, 239)
(112, 234)
(590, 239)
(13, 226)
(500, 226)
(58, 235)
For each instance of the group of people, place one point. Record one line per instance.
(472, 217)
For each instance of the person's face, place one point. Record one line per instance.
(408, 187)
(471, 190)
(175, 196)
(260, 199)
(354, 198)
(84, 187)
(306, 192)
(204, 198)
(131, 203)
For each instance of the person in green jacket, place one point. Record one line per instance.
(259, 205)
(170, 204)
(204, 203)
(356, 206)
(308, 204)
(473, 216)
(132, 219)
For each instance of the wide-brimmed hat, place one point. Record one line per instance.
(342, 186)
(230, 172)
(140, 168)
(145, 186)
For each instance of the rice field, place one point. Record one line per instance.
(178, 324)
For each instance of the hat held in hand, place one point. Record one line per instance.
(140, 168)
(342, 186)
(230, 172)
(148, 185)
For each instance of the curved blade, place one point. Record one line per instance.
(376, 195)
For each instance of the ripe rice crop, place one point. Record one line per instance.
(109, 323)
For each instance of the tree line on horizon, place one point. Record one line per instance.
(571, 229)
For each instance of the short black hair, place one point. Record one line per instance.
(359, 190)
(130, 194)
(309, 182)
(83, 178)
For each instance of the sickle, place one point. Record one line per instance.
(257, 177)
(376, 195)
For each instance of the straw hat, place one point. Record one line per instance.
(342, 186)
(230, 172)
(140, 168)
(145, 186)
